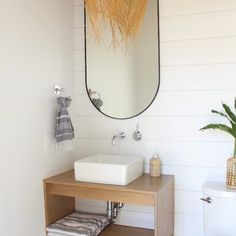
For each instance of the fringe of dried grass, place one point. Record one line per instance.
(123, 17)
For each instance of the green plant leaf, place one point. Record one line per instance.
(220, 113)
(229, 112)
(234, 129)
(235, 103)
(232, 123)
(220, 127)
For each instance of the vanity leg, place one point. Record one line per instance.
(164, 211)
(56, 207)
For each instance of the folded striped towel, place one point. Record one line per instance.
(56, 234)
(64, 132)
(78, 224)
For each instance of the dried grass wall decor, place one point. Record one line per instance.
(123, 17)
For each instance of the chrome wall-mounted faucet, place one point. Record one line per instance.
(121, 135)
(137, 135)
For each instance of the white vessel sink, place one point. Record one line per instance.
(108, 169)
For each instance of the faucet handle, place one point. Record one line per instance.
(122, 134)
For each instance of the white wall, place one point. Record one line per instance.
(198, 71)
(36, 53)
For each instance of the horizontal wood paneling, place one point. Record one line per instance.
(189, 103)
(198, 26)
(198, 71)
(202, 51)
(153, 128)
(173, 103)
(193, 178)
(189, 7)
(218, 77)
(176, 153)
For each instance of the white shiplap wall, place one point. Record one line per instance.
(198, 71)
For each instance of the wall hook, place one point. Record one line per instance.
(58, 89)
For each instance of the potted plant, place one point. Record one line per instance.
(230, 129)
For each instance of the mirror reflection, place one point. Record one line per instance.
(122, 83)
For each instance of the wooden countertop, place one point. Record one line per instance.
(143, 190)
(144, 184)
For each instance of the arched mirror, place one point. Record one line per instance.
(123, 83)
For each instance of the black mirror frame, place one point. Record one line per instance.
(158, 64)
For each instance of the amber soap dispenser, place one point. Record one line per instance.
(155, 166)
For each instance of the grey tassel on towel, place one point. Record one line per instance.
(64, 129)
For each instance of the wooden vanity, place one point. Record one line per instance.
(61, 190)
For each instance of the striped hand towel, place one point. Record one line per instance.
(64, 132)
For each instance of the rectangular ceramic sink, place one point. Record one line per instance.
(108, 169)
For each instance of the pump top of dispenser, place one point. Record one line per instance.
(155, 155)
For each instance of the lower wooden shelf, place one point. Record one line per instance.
(61, 190)
(119, 230)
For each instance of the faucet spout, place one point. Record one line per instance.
(113, 140)
(122, 135)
